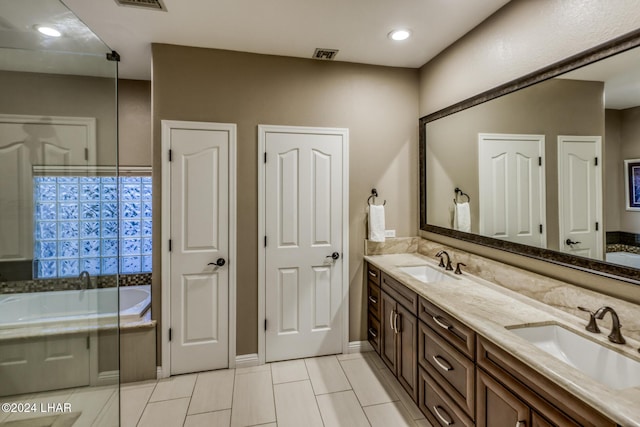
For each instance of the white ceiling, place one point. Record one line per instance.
(620, 76)
(358, 28)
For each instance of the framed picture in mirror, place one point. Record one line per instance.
(632, 181)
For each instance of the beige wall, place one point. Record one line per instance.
(613, 180)
(630, 149)
(379, 105)
(63, 95)
(134, 122)
(552, 108)
(522, 37)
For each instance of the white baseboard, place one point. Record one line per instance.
(160, 373)
(247, 360)
(359, 347)
(108, 378)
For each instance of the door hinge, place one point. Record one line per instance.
(265, 324)
(597, 226)
(539, 161)
(170, 334)
(265, 241)
(170, 155)
(170, 245)
(540, 228)
(265, 157)
(86, 154)
(88, 342)
(596, 159)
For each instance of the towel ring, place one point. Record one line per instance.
(374, 194)
(459, 192)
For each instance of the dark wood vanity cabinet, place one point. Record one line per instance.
(508, 392)
(456, 377)
(373, 306)
(447, 368)
(399, 333)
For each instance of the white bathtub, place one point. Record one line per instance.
(82, 307)
(624, 258)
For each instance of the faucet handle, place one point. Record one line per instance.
(592, 326)
(458, 271)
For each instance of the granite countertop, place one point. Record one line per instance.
(490, 309)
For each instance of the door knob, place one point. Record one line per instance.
(571, 242)
(334, 256)
(219, 262)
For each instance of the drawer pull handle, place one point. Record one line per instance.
(444, 366)
(391, 320)
(444, 420)
(372, 332)
(372, 274)
(521, 424)
(395, 323)
(373, 300)
(440, 323)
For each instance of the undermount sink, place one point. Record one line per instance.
(424, 273)
(594, 360)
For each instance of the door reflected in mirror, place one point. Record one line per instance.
(544, 166)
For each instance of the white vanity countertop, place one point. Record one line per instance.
(489, 308)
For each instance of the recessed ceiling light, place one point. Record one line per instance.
(48, 31)
(399, 35)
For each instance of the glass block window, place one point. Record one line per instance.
(78, 226)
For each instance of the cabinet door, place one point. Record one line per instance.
(407, 365)
(388, 334)
(497, 406)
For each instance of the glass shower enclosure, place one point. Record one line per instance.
(59, 220)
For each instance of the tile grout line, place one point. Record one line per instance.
(145, 405)
(186, 413)
(273, 392)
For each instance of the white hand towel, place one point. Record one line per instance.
(376, 223)
(462, 217)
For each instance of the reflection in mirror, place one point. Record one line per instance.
(549, 166)
(58, 140)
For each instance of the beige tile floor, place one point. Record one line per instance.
(350, 390)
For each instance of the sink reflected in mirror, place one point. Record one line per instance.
(424, 273)
(594, 360)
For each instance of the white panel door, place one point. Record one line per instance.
(304, 226)
(512, 193)
(580, 195)
(25, 142)
(199, 237)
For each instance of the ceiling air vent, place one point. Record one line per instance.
(145, 4)
(325, 54)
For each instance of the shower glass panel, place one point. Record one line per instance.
(59, 319)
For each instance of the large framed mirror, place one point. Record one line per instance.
(546, 166)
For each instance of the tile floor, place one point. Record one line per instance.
(345, 390)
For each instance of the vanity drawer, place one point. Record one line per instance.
(373, 299)
(373, 332)
(451, 329)
(403, 295)
(455, 373)
(439, 409)
(373, 274)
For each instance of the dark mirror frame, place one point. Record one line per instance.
(605, 50)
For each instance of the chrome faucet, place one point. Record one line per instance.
(448, 267)
(85, 280)
(615, 336)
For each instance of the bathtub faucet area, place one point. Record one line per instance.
(85, 280)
